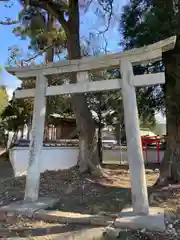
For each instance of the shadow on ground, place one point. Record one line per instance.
(94, 199)
(76, 192)
(63, 230)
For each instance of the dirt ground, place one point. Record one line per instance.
(84, 194)
(76, 193)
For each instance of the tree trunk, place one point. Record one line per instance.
(50, 51)
(22, 132)
(88, 149)
(100, 144)
(49, 57)
(117, 132)
(170, 166)
(28, 132)
(100, 147)
(13, 140)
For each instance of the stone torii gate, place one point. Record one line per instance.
(125, 61)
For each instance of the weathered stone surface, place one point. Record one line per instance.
(25, 206)
(76, 218)
(82, 234)
(154, 221)
(36, 211)
(111, 232)
(16, 238)
(135, 155)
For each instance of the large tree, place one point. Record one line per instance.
(66, 14)
(148, 21)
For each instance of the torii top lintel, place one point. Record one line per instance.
(148, 53)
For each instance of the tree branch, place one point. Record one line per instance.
(73, 13)
(38, 54)
(9, 22)
(59, 16)
(55, 10)
(64, 3)
(108, 11)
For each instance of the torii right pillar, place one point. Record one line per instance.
(141, 216)
(135, 155)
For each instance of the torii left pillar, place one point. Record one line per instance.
(36, 142)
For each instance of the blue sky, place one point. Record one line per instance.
(7, 37)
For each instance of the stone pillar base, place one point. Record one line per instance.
(154, 221)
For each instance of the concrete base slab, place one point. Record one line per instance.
(16, 238)
(154, 221)
(23, 206)
(75, 218)
(82, 234)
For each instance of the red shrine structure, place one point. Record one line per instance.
(151, 140)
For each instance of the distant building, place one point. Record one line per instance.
(108, 134)
(146, 132)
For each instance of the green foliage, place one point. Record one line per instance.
(142, 23)
(3, 99)
(34, 25)
(148, 21)
(15, 115)
(44, 35)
